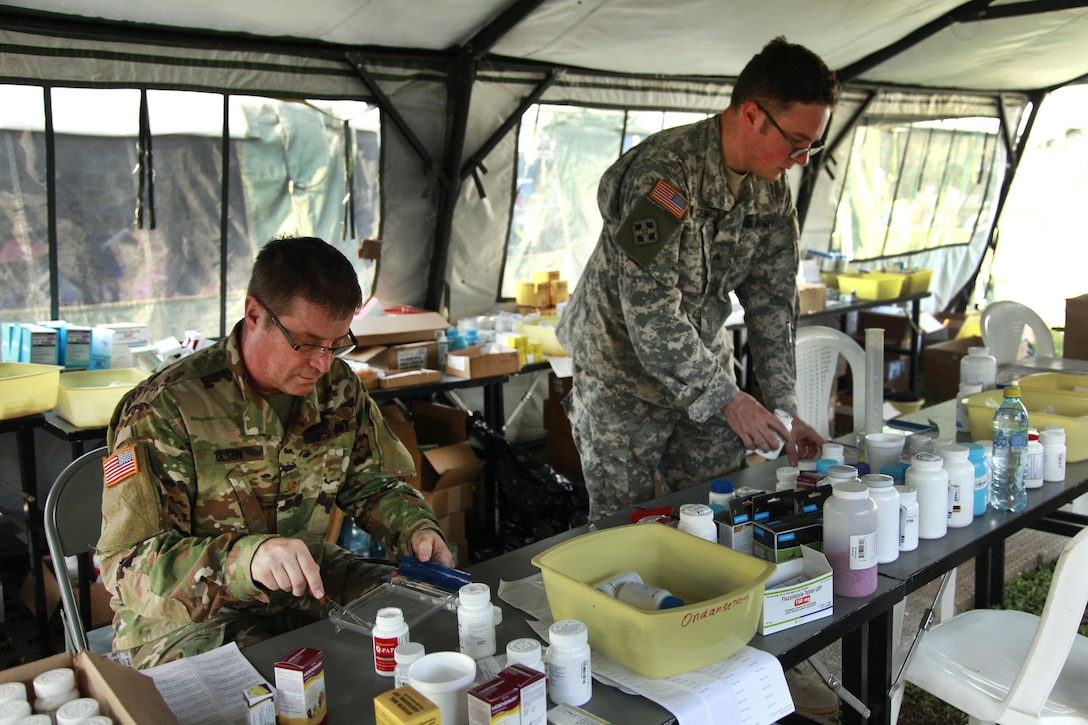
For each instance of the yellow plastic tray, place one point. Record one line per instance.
(27, 388)
(872, 285)
(1068, 411)
(1067, 383)
(722, 588)
(542, 330)
(916, 280)
(87, 397)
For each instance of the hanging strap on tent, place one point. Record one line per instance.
(145, 167)
(347, 229)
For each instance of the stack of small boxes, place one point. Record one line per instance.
(542, 293)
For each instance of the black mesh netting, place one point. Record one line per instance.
(535, 501)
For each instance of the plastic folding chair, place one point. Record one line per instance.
(1003, 325)
(73, 522)
(818, 350)
(1013, 667)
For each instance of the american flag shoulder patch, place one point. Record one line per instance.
(669, 199)
(120, 466)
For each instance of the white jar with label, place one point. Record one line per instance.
(1053, 439)
(525, 651)
(882, 491)
(979, 366)
(833, 451)
(390, 631)
(786, 478)
(961, 485)
(405, 654)
(1033, 472)
(569, 668)
(927, 477)
(475, 621)
(850, 525)
(697, 519)
(908, 518)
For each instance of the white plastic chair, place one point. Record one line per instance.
(73, 523)
(818, 349)
(1013, 667)
(1003, 326)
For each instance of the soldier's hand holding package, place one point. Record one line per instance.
(285, 564)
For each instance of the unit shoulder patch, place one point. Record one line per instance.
(121, 465)
(651, 223)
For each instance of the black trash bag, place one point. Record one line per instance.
(535, 501)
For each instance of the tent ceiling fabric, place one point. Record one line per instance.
(677, 38)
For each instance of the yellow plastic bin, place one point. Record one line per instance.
(1070, 411)
(27, 388)
(542, 330)
(1066, 383)
(87, 397)
(722, 588)
(872, 285)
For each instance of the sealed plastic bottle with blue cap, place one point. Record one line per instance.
(976, 454)
(721, 491)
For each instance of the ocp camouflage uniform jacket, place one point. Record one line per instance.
(218, 475)
(648, 315)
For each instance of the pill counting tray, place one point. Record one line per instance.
(416, 600)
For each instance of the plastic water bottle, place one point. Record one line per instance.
(1010, 453)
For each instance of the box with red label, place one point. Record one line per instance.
(300, 688)
(800, 591)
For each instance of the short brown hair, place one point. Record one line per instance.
(782, 74)
(289, 268)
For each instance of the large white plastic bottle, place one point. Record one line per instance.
(882, 490)
(475, 621)
(850, 524)
(979, 366)
(569, 667)
(961, 485)
(927, 477)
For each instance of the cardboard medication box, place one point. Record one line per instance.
(483, 361)
(394, 329)
(781, 539)
(38, 345)
(300, 688)
(800, 591)
(124, 694)
(405, 706)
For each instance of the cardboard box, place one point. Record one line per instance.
(800, 591)
(1075, 344)
(101, 613)
(811, 297)
(563, 456)
(450, 500)
(555, 418)
(405, 706)
(300, 688)
(73, 345)
(781, 539)
(38, 345)
(483, 361)
(559, 387)
(393, 329)
(447, 460)
(941, 367)
(406, 356)
(407, 378)
(735, 525)
(453, 526)
(124, 694)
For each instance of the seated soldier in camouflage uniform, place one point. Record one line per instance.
(225, 466)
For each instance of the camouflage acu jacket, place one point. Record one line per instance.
(647, 317)
(206, 473)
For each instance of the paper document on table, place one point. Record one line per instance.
(206, 689)
(750, 684)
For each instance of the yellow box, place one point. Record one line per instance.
(542, 330)
(1065, 383)
(405, 706)
(545, 275)
(558, 291)
(872, 285)
(916, 280)
(533, 294)
(1067, 410)
(27, 388)
(723, 590)
(87, 397)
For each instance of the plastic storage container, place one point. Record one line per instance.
(850, 532)
(27, 388)
(87, 397)
(723, 589)
(1044, 409)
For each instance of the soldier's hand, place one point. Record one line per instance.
(429, 546)
(757, 427)
(285, 564)
(804, 442)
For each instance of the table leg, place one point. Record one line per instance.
(867, 669)
(29, 472)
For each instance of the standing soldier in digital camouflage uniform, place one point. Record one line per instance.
(691, 214)
(225, 466)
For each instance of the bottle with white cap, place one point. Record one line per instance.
(786, 478)
(77, 711)
(833, 451)
(1033, 472)
(525, 651)
(1053, 439)
(908, 518)
(884, 493)
(405, 654)
(927, 477)
(390, 631)
(53, 688)
(476, 621)
(697, 519)
(961, 485)
(12, 691)
(12, 711)
(569, 671)
(721, 491)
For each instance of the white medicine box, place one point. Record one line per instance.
(800, 591)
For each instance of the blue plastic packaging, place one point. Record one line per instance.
(435, 574)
